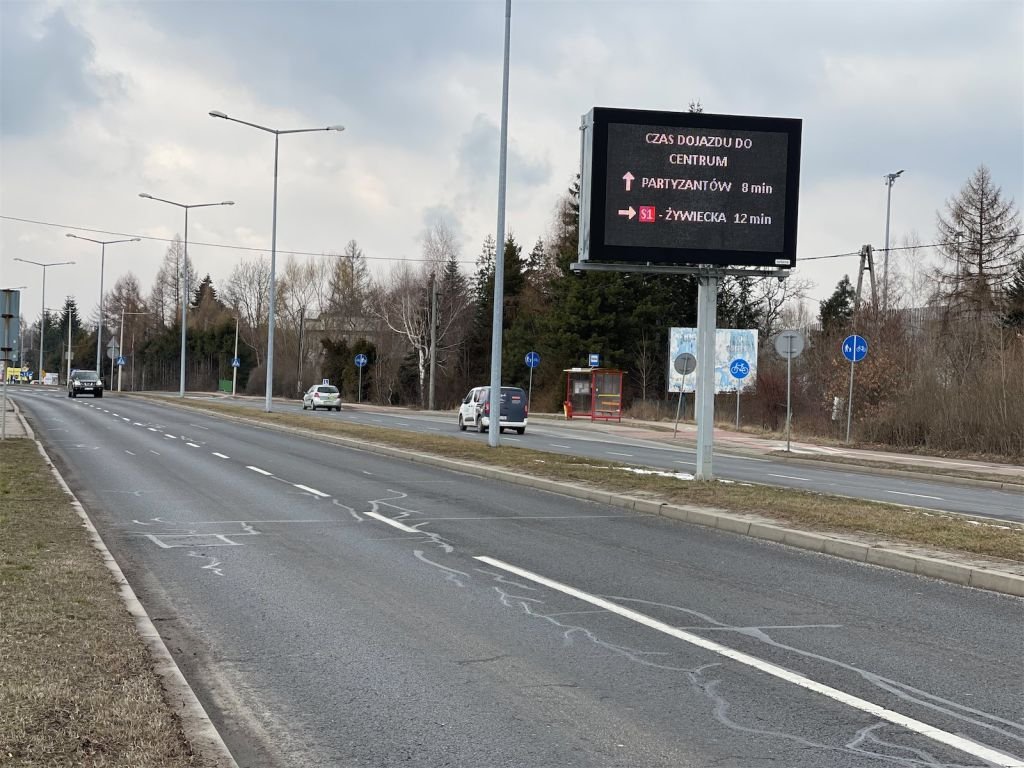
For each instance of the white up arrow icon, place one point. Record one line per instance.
(628, 212)
(628, 178)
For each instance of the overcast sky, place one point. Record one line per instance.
(101, 101)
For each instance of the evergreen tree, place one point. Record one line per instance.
(980, 236)
(837, 310)
(1013, 309)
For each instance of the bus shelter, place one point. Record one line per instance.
(594, 393)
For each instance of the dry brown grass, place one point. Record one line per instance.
(77, 686)
(812, 511)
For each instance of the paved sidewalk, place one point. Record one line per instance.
(12, 424)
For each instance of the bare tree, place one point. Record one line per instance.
(772, 296)
(247, 293)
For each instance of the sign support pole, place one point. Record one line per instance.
(849, 403)
(789, 389)
(359, 394)
(737, 407)
(679, 407)
(529, 393)
(707, 305)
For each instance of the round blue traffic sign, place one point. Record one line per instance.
(532, 359)
(361, 360)
(855, 348)
(739, 368)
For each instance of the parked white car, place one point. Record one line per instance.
(475, 410)
(322, 396)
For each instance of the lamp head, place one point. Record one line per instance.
(336, 128)
(228, 202)
(215, 113)
(146, 195)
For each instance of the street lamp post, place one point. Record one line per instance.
(273, 241)
(890, 179)
(42, 306)
(103, 260)
(120, 343)
(184, 276)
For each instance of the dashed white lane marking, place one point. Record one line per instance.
(261, 471)
(152, 429)
(307, 489)
(153, 452)
(170, 436)
(192, 445)
(613, 453)
(137, 424)
(957, 742)
(789, 477)
(220, 455)
(367, 473)
(115, 414)
(129, 453)
(124, 418)
(392, 523)
(917, 495)
(556, 445)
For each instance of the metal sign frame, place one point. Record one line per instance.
(594, 197)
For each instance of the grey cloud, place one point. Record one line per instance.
(44, 76)
(478, 159)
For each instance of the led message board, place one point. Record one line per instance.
(687, 189)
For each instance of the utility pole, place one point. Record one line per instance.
(867, 264)
(433, 338)
(298, 363)
(890, 179)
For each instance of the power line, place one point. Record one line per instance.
(911, 247)
(212, 245)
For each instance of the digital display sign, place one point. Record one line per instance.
(687, 189)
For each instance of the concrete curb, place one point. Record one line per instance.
(196, 724)
(933, 567)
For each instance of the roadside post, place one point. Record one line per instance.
(740, 369)
(10, 302)
(685, 364)
(855, 349)
(789, 344)
(532, 361)
(360, 364)
(235, 362)
(113, 352)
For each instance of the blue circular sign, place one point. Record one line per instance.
(361, 360)
(739, 368)
(532, 359)
(855, 348)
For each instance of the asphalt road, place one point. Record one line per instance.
(337, 608)
(547, 436)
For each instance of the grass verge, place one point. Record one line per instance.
(78, 686)
(806, 510)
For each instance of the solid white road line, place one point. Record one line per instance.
(613, 453)
(314, 491)
(789, 477)
(944, 737)
(220, 455)
(917, 495)
(261, 471)
(392, 523)
(556, 445)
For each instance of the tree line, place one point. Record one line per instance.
(944, 369)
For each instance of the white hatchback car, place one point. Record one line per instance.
(322, 396)
(475, 410)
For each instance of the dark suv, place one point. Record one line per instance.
(85, 382)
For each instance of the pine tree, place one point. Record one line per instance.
(980, 235)
(837, 310)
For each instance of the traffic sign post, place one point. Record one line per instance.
(789, 344)
(120, 361)
(739, 369)
(855, 349)
(594, 359)
(113, 352)
(532, 360)
(684, 364)
(361, 361)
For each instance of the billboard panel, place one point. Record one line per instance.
(730, 344)
(683, 189)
